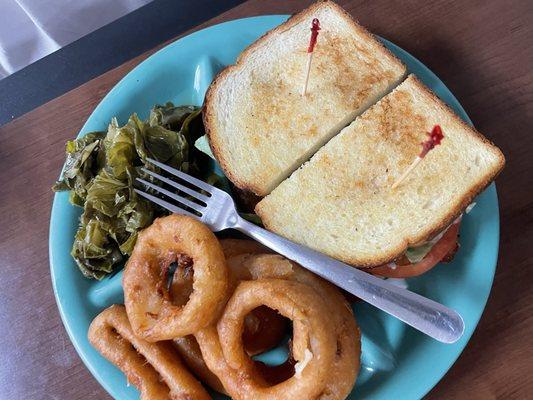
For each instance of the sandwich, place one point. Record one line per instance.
(259, 125)
(342, 201)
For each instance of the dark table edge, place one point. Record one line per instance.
(101, 51)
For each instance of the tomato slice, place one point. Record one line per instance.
(446, 245)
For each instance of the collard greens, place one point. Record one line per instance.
(100, 172)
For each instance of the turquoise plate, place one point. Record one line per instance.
(397, 361)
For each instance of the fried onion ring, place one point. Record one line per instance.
(343, 372)
(153, 368)
(151, 311)
(313, 333)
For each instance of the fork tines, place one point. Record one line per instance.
(185, 205)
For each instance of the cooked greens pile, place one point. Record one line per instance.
(100, 172)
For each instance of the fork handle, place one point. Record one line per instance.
(428, 316)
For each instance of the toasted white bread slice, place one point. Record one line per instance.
(261, 128)
(341, 202)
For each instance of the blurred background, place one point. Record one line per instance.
(32, 29)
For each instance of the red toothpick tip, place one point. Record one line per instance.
(435, 137)
(315, 27)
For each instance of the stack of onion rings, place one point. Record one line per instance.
(154, 368)
(222, 303)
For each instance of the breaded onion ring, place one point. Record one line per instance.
(151, 311)
(345, 367)
(313, 347)
(153, 368)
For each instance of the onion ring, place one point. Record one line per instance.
(343, 371)
(150, 309)
(313, 333)
(153, 368)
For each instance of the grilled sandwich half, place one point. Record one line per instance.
(341, 202)
(260, 127)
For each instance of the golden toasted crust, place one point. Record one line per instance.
(400, 131)
(215, 142)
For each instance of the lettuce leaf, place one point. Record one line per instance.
(203, 145)
(417, 254)
(100, 172)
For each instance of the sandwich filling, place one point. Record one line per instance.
(441, 248)
(417, 260)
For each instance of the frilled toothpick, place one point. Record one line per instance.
(315, 27)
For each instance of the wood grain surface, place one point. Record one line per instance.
(480, 49)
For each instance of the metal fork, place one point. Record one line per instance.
(216, 208)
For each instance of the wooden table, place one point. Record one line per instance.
(480, 49)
